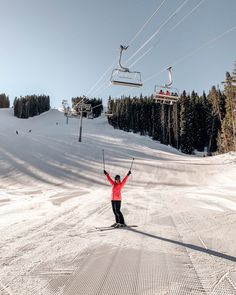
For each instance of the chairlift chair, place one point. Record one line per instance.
(123, 76)
(166, 94)
(108, 114)
(90, 115)
(74, 112)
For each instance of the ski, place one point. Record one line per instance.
(104, 228)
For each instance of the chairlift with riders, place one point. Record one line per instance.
(166, 94)
(123, 76)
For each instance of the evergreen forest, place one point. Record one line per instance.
(4, 101)
(31, 105)
(201, 123)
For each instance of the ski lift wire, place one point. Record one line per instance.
(206, 44)
(102, 87)
(144, 25)
(145, 43)
(194, 51)
(188, 55)
(175, 26)
(158, 30)
(142, 56)
(100, 79)
(132, 40)
(138, 59)
(150, 48)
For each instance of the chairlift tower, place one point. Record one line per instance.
(66, 109)
(83, 107)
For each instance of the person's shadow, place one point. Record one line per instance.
(190, 246)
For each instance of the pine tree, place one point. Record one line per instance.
(186, 124)
(4, 101)
(216, 101)
(156, 121)
(228, 131)
(31, 105)
(199, 122)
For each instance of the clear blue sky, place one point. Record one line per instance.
(62, 47)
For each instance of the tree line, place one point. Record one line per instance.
(202, 123)
(31, 105)
(4, 101)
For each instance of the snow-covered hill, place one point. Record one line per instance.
(53, 194)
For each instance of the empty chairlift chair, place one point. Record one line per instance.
(123, 76)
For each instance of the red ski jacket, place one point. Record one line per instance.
(116, 187)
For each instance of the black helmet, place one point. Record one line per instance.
(117, 177)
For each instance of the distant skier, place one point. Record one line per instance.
(117, 186)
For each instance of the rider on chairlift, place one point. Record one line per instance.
(166, 94)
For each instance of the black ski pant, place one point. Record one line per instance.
(116, 210)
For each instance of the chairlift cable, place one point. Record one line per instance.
(176, 11)
(132, 40)
(211, 41)
(187, 15)
(144, 25)
(158, 30)
(142, 56)
(100, 79)
(150, 48)
(205, 44)
(102, 87)
(193, 52)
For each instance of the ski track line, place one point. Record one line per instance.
(143, 220)
(200, 287)
(45, 228)
(73, 288)
(140, 253)
(53, 222)
(103, 286)
(6, 292)
(105, 276)
(198, 237)
(223, 277)
(217, 283)
(30, 268)
(185, 249)
(50, 275)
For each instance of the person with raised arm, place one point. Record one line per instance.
(117, 185)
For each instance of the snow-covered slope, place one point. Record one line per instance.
(53, 193)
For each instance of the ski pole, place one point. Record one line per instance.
(103, 160)
(131, 164)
